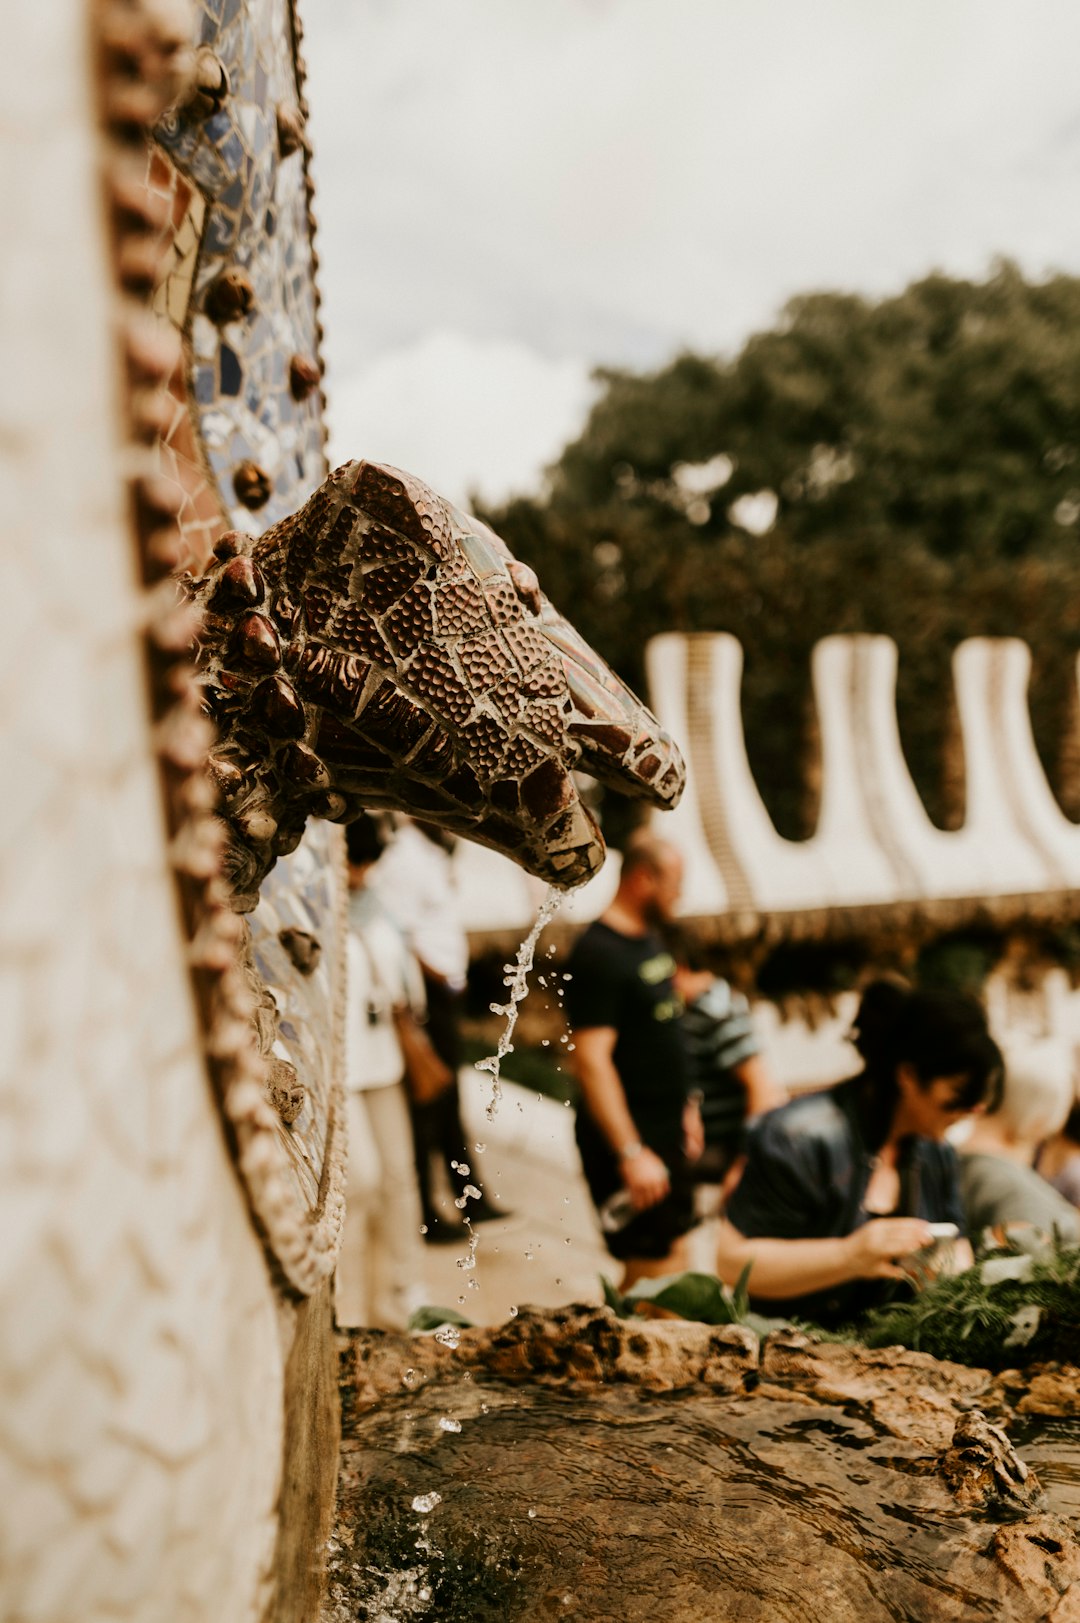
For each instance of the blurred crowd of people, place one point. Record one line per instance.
(828, 1202)
(834, 1200)
(407, 962)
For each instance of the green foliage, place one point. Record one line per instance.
(1010, 1309)
(924, 456)
(433, 1318)
(1003, 1312)
(529, 1066)
(698, 1297)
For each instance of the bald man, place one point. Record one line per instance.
(636, 1129)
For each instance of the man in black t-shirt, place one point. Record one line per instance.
(636, 1129)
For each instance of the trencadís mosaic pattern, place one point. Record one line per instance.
(251, 323)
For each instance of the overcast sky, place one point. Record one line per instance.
(511, 192)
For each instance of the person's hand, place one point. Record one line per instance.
(876, 1247)
(646, 1177)
(693, 1130)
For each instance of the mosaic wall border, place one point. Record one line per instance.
(145, 56)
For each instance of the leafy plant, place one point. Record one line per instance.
(433, 1318)
(698, 1297)
(1011, 1308)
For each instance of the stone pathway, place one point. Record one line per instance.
(549, 1250)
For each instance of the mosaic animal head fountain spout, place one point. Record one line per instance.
(381, 649)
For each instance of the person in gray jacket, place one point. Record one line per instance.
(998, 1182)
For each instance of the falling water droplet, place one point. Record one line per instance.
(532, 1514)
(411, 1380)
(480, 1148)
(425, 1502)
(449, 1335)
(513, 1312)
(446, 1424)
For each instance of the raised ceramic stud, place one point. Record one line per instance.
(252, 485)
(208, 87)
(330, 806)
(303, 948)
(258, 826)
(285, 1090)
(303, 376)
(256, 644)
(276, 705)
(228, 777)
(302, 766)
(230, 296)
(241, 587)
(230, 544)
(290, 129)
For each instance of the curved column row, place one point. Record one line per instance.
(874, 843)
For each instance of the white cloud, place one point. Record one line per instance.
(608, 180)
(462, 414)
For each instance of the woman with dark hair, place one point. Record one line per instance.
(840, 1186)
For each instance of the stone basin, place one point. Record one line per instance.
(571, 1465)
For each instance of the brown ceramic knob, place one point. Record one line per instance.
(303, 376)
(303, 767)
(231, 296)
(209, 85)
(241, 587)
(290, 129)
(257, 825)
(285, 1090)
(226, 774)
(303, 948)
(229, 544)
(252, 485)
(333, 807)
(255, 643)
(276, 705)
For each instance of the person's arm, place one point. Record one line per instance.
(787, 1268)
(693, 1128)
(642, 1171)
(762, 1091)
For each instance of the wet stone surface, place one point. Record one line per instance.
(811, 1488)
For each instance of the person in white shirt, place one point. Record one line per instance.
(416, 883)
(381, 1268)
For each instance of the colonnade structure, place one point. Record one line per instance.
(874, 849)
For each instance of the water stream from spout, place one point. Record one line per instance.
(516, 980)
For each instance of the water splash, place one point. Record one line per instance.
(516, 980)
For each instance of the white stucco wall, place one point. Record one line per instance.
(140, 1354)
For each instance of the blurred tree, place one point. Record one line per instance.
(910, 467)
